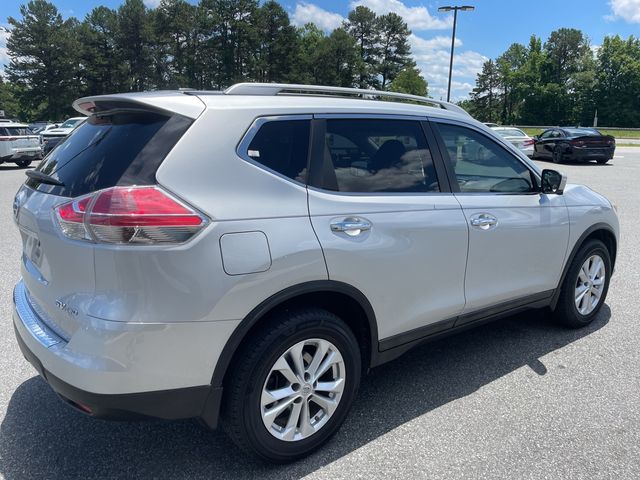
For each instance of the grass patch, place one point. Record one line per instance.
(615, 133)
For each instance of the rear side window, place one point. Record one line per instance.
(282, 146)
(125, 148)
(378, 156)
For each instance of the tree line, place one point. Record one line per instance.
(209, 45)
(561, 82)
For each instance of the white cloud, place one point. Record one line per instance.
(628, 10)
(432, 56)
(152, 3)
(308, 12)
(418, 18)
(4, 55)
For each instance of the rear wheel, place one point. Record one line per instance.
(602, 161)
(557, 155)
(585, 287)
(23, 163)
(292, 385)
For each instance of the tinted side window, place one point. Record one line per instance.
(378, 156)
(481, 165)
(546, 134)
(282, 146)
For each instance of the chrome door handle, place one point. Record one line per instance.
(352, 226)
(483, 221)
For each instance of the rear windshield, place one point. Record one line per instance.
(582, 131)
(13, 131)
(124, 148)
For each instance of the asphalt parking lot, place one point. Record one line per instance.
(517, 399)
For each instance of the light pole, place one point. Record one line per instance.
(455, 8)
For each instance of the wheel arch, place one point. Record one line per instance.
(339, 298)
(600, 231)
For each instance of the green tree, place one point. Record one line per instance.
(133, 41)
(362, 25)
(395, 52)
(486, 95)
(8, 101)
(44, 60)
(277, 46)
(307, 68)
(618, 82)
(174, 43)
(410, 81)
(338, 60)
(101, 70)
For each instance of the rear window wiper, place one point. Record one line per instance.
(43, 178)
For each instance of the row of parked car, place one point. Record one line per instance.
(560, 144)
(22, 143)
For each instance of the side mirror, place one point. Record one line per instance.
(553, 181)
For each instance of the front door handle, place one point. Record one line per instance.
(483, 221)
(352, 226)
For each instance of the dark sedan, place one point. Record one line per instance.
(575, 144)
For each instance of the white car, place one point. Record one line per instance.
(17, 145)
(516, 136)
(52, 136)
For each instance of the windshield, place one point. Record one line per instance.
(13, 131)
(511, 132)
(69, 123)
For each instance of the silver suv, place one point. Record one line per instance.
(247, 255)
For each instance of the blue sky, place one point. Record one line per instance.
(481, 34)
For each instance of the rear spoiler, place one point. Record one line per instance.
(170, 102)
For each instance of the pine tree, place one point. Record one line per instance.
(395, 52)
(362, 25)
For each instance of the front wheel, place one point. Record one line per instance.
(23, 163)
(602, 161)
(292, 385)
(585, 287)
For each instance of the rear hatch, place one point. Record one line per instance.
(20, 140)
(121, 145)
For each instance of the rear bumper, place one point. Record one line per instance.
(26, 154)
(586, 154)
(105, 386)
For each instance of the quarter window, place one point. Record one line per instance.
(282, 146)
(481, 165)
(364, 156)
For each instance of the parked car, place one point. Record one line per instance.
(18, 145)
(51, 137)
(247, 255)
(39, 127)
(575, 144)
(519, 139)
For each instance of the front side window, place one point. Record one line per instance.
(282, 146)
(377, 156)
(481, 165)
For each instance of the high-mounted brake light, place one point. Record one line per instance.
(129, 215)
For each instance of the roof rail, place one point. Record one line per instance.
(268, 89)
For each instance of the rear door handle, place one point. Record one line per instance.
(352, 226)
(483, 221)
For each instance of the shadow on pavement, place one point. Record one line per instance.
(41, 437)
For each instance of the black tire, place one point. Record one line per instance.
(23, 163)
(602, 161)
(556, 156)
(566, 311)
(241, 410)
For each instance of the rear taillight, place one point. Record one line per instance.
(578, 143)
(528, 142)
(129, 215)
(7, 139)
